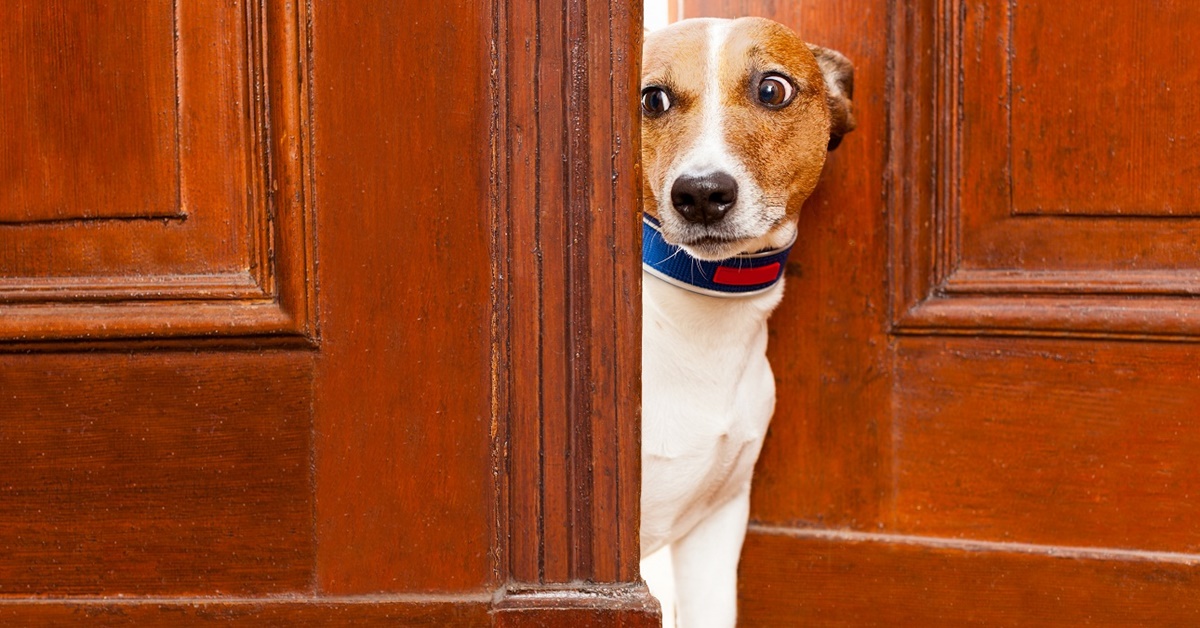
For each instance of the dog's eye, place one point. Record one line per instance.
(775, 91)
(655, 101)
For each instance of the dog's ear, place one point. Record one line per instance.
(839, 83)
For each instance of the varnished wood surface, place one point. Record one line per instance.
(90, 122)
(168, 474)
(832, 579)
(569, 271)
(214, 68)
(466, 612)
(1053, 127)
(1102, 129)
(439, 611)
(626, 605)
(452, 271)
(405, 487)
(986, 409)
(981, 102)
(487, 412)
(1048, 442)
(92, 247)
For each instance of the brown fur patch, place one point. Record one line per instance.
(784, 149)
(839, 81)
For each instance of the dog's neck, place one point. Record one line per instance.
(736, 278)
(683, 297)
(699, 322)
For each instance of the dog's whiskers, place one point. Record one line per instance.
(678, 250)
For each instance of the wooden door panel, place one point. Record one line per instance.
(403, 381)
(555, 292)
(987, 400)
(816, 578)
(1049, 442)
(153, 190)
(280, 612)
(1054, 124)
(1010, 99)
(88, 107)
(456, 444)
(1101, 107)
(123, 477)
(151, 177)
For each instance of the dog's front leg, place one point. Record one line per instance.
(705, 563)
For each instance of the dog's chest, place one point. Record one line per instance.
(707, 397)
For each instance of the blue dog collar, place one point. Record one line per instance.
(741, 275)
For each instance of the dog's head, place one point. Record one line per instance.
(737, 118)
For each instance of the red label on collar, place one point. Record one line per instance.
(729, 276)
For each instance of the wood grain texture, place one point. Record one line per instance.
(1049, 442)
(285, 612)
(1088, 139)
(567, 240)
(626, 605)
(366, 479)
(832, 579)
(405, 487)
(933, 460)
(1158, 319)
(994, 198)
(539, 611)
(87, 110)
(184, 474)
(1041, 79)
(236, 260)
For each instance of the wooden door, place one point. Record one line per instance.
(989, 400)
(319, 313)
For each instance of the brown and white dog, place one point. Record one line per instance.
(737, 119)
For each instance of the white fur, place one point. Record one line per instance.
(707, 397)
(707, 390)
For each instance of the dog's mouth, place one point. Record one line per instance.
(712, 247)
(748, 227)
(710, 241)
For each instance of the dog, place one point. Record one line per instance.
(737, 119)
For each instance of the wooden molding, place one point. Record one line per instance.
(286, 610)
(934, 290)
(629, 606)
(580, 607)
(790, 576)
(261, 288)
(1181, 283)
(567, 275)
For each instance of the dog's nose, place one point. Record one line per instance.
(704, 199)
